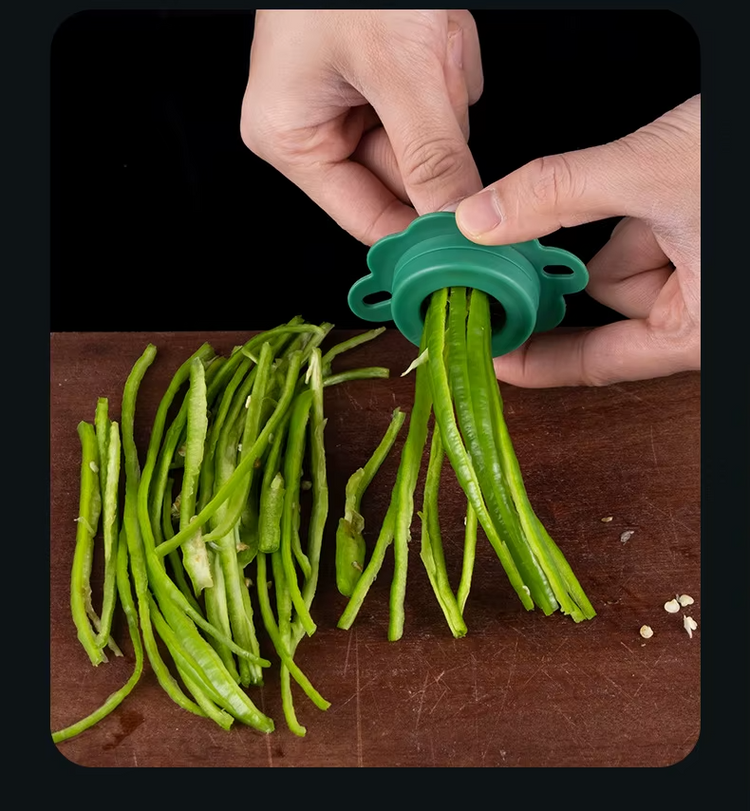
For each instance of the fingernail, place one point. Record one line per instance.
(480, 213)
(451, 206)
(456, 48)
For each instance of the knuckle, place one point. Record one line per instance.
(426, 162)
(265, 137)
(250, 129)
(249, 135)
(593, 371)
(370, 233)
(552, 180)
(476, 89)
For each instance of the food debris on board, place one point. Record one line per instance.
(673, 607)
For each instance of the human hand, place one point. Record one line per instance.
(366, 111)
(649, 270)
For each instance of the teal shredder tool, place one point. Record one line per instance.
(527, 280)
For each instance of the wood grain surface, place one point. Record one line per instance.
(520, 689)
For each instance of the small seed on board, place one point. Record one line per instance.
(646, 631)
(690, 625)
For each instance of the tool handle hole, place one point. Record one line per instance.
(376, 298)
(558, 270)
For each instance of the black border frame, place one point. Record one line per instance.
(720, 759)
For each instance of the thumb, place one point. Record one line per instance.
(560, 191)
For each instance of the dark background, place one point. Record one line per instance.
(163, 220)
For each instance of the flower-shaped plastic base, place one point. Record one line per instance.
(526, 279)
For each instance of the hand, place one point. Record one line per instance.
(366, 111)
(649, 270)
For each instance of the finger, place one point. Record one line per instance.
(432, 154)
(625, 350)
(352, 195)
(375, 150)
(628, 273)
(471, 59)
(643, 175)
(355, 198)
(455, 81)
(376, 153)
(554, 192)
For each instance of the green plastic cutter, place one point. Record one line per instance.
(406, 268)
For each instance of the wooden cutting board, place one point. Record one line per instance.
(520, 689)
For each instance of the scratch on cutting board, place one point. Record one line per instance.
(476, 737)
(670, 516)
(474, 677)
(476, 697)
(627, 393)
(540, 668)
(421, 699)
(83, 683)
(443, 672)
(439, 698)
(658, 659)
(674, 534)
(559, 648)
(352, 400)
(639, 688)
(356, 692)
(653, 447)
(612, 681)
(421, 693)
(580, 731)
(348, 649)
(568, 719)
(510, 676)
(267, 737)
(518, 631)
(648, 677)
(459, 711)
